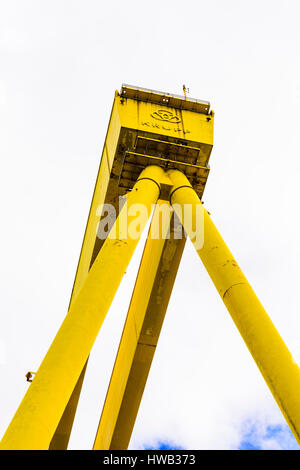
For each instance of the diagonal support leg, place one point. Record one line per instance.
(38, 415)
(89, 251)
(60, 439)
(270, 353)
(140, 335)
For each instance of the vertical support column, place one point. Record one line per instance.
(43, 405)
(270, 353)
(140, 335)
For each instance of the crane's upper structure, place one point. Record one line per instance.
(155, 164)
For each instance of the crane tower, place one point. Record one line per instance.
(154, 164)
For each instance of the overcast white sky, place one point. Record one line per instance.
(60, 63)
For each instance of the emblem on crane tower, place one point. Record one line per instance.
(165, 115)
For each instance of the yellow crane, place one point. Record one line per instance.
(154, 164)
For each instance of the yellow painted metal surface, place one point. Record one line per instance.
(270, 353)
(147, 342)
(146, 127)
(176, 134)
(145, 316)
(163, 130)
(131, 332)
(89, 250)
(99, 197)
(61, 437)
(44, 403)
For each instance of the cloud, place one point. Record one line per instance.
(258, 436)
(254, 436)
(60, 67)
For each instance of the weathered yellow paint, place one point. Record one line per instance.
(270, 353)
(139, 115)
(130, 117)
(44, 403)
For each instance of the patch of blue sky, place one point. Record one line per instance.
(161, 445)
(255, 436)
(272, 437)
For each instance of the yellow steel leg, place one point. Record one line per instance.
(61, 437)
(270, 353)
(147, 342)
(144, 320)
(38, 415)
